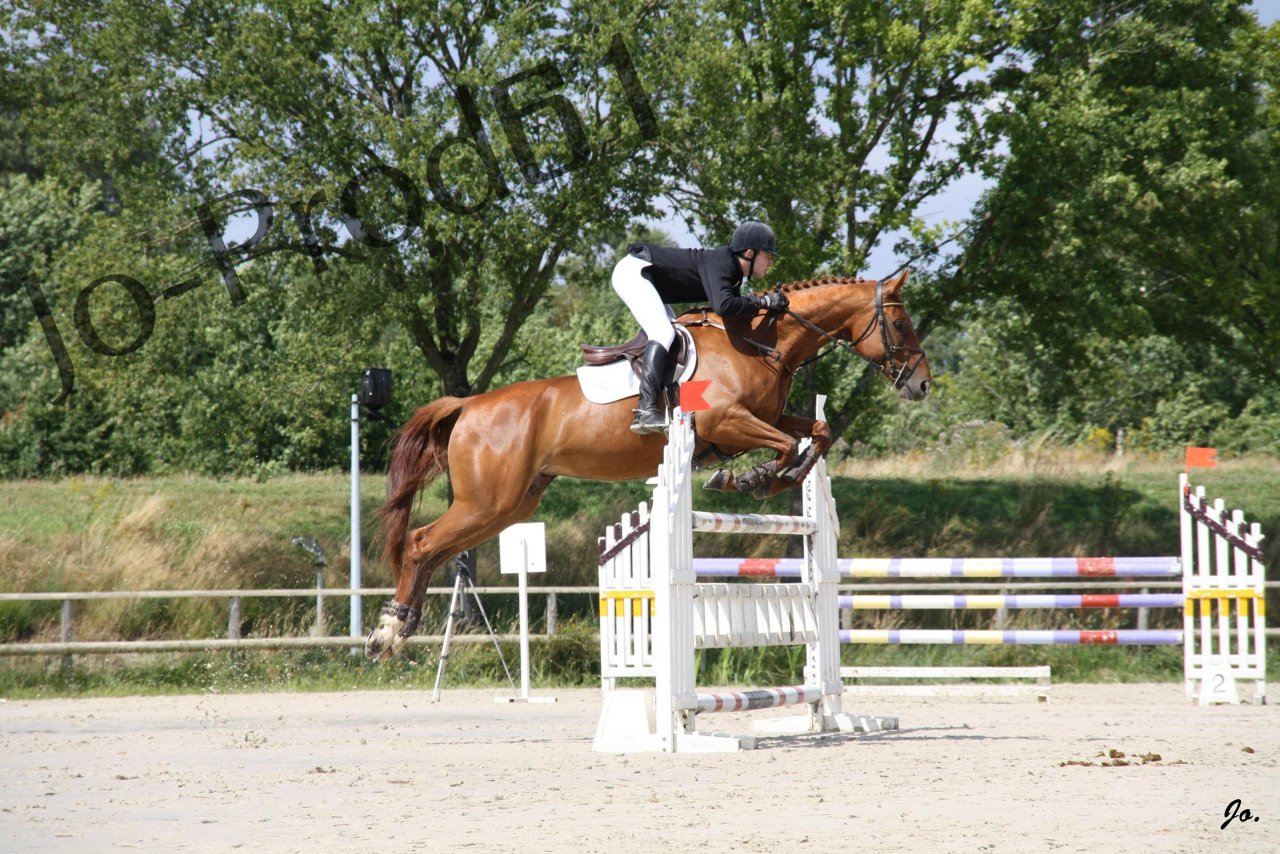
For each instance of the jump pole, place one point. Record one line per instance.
(1223, 602)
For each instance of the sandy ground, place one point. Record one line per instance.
(391, 771)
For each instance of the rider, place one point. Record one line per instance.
(649, 278)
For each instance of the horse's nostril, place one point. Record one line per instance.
(924, 387)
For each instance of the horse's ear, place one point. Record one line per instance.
(895, 284)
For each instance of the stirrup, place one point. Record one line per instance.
(647, 421)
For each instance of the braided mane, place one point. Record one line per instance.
(795, 287)
(821, 281)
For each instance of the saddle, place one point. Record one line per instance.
(678, 356)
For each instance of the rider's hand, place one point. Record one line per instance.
(775, 302)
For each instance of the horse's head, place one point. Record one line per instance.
(885, 336)
(872, 316)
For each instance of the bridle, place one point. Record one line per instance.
(898, 374)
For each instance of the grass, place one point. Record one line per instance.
(191, 532)
(570, 658)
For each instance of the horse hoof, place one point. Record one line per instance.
(794, 474)
(751, 483)
(721, 481)
(375, 649)
(799, 470)
(384, 641)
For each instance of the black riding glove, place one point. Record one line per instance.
(775, 302)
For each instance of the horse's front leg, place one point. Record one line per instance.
(820, 434)
(736, 427)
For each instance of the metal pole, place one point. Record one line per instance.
(524, 623)
(357, 628)
(448, 634)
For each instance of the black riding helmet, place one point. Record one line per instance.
(753, 234)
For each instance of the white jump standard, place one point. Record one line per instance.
(654, 614)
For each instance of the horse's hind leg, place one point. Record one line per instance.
(460, 527)
(465, 525)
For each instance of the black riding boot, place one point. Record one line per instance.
(649, 417)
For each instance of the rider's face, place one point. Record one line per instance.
(763, 261)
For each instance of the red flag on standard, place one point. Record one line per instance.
(691, 399)
(1203, 458)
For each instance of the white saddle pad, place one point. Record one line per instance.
(616, 380)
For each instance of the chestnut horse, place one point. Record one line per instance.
(502, 448)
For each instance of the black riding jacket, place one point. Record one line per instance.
(696, 275)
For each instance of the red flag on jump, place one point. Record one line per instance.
(691, 399)
(1201, 458)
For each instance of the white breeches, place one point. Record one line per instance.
(642, 298)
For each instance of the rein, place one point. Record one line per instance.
(770, 353)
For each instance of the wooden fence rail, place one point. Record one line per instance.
(67, 646)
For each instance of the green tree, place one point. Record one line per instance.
(1130, 229)
(1130, 146)
(837, 123)
(1134, 220)
(37, 219)
(295, 98)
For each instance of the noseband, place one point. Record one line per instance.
(898, 374)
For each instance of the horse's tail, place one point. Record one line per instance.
(418, 457)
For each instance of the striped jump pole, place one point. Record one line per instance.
(1222, 599)
(1091, 568)
(1015, 637)
(1020, 567)
(1223, 596)
(1017, 567)
(1012, 601)
(753, 523)
(764, 698)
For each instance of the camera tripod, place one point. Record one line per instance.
(463, 585)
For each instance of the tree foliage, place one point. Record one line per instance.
(307, 101)
(1127, 249)
(450, 184)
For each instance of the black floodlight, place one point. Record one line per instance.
(375, 389)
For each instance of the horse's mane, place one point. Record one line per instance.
(819, 282)
(794, 287)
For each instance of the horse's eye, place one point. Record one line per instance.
(899, 325)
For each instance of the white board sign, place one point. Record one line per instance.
(1218, 686)
(523, 546)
